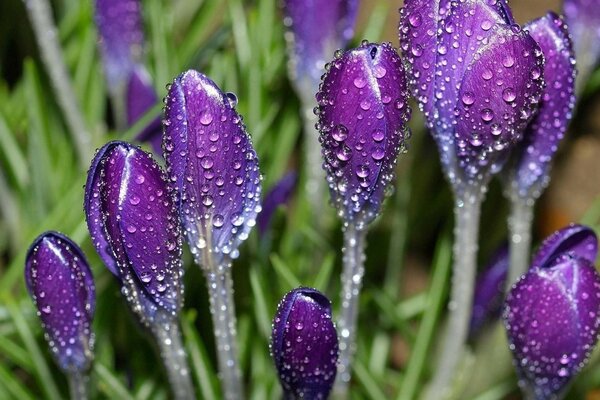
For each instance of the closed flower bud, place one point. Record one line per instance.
(551, 313)
(135, 229)
(363, 111)
(304, 345)
(280, 194)
(60, 282)
(583, 18)
(213, 166)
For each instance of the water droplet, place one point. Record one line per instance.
(206, 117)
(378, 135)
(468, 98)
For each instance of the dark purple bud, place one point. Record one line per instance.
(278, 195)
(141, 97)
(135, 229)
(529, 170)
(583, 18)
(479, 82)
(489, 290)
(363, 111)
(121, 36)
(551, 318)
(575, 240)
(316, 28)
(61, 285)
(304, 344)
(212, 164)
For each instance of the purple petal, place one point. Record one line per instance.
(304, 344)
(551, 316)
(316, 28)
(489, 290)
(61, 285)
(529, 174)
(212, 164)
(575, 240)
(141, 227)
(121, 36)
(141, 97)
(583, 18)
(363, 111)
(278, 195)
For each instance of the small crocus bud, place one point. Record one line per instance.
(529, 169)
(583, 18)
(141, 97)
(489, 291)
(478, 78)
(60, 282)
(551, 314)
(135, 229)
(214, 168)
(278, 195)
(304, 344)
(363, 111)
(316, 29)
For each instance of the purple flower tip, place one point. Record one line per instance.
(489, 290)
(583, 18)
(363, 111)
(551, 317)
(477, 77)
(575, 240)
(134, 226)
(141, 97)
(212, 164)
(304, 344)
(529, 170)
(316, 28)
(61, 285)
(278, 195)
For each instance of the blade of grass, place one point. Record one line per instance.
(13, 386)
(284, 272)
(110, 385)
(263, 317)
(322, 278)
(365, 379)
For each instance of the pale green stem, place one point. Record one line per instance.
(466, 230)
(174, 359)
(519, 225)
(352, 274)
(78, 385)
(40, 14)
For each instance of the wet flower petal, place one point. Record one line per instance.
(583, 19)
(316, 28)
(530, 167)
(576, 240)
(363, 111)
(551, 316)
(60, 282)
(212, 164)
(304, 344)
(129, 207)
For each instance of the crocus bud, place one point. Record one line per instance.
(316, 28)
(363, 111)
(278, 195)
(213, 166)
(478, 78)
(141, 97)
(489, 290)
(304, 344)
(134, 226)
(551, 314)
(61, 285)
(583, 18)
(529, 168)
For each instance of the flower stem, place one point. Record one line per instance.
(519, 225)
(466, 230)
(222, 309)
(78, 385)
(352, 274)
(173, 354)
(40, 14)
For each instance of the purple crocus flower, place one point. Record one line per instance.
(529, 172)
(583, 18)
(135, 228)
(477, 77)
(211, 161)
(61, 285)
(552, 313)
(316, 28)
(363, 111)
(304, 344)
(278, 195)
